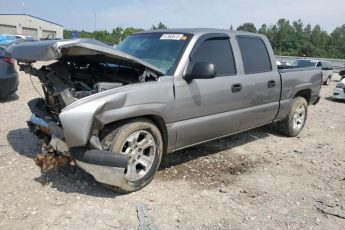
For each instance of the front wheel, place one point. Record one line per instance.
(296, 119)
(141, 141)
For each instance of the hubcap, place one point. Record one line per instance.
(141, 148)
(298, 117)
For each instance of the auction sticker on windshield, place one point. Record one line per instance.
(171, 37)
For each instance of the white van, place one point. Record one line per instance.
(327, 68)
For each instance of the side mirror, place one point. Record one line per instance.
(200, 70)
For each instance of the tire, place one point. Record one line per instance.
(327, 81)
(123, 137)
(296, 119)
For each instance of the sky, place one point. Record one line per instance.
(108, 14)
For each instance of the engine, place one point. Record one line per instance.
(64, 83)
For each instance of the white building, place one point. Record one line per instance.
(28, 25)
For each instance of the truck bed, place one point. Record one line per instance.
(293, 81)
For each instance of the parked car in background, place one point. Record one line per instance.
(117, 111)
(339, 91)
(342, 74)
(7, 38)
(24, 37)
(8, 74)
(327, 68)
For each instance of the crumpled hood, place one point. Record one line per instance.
(88, 50)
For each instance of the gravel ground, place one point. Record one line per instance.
(254, 180)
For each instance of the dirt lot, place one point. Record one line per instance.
(254, 180)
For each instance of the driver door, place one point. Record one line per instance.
(208, 108)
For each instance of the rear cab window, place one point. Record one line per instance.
(254, 54)
(217, 51)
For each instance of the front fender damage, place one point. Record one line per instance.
(106, 167)
(79, 118)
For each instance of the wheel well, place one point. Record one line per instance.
(157, 120)
(160, 123)
(306, 94)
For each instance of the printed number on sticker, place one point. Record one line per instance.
(171, 36)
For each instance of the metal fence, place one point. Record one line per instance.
(337, 63)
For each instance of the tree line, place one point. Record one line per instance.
(287, 38)
(296, 39)
(113, 37)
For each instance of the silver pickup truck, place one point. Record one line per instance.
(116, 112)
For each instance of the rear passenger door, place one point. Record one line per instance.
(261, 82)
(208, 108)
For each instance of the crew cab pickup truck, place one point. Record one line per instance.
(116, 112)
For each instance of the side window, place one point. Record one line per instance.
(254, 55)
(219, 52)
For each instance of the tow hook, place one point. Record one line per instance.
(50, 159)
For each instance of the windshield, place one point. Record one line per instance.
(159, 49)
(304, 63)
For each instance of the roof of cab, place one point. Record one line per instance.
(200, 31)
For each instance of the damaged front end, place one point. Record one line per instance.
(106, 167)
(82, 70)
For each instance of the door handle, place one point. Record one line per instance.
(235, 88)
(271, 84)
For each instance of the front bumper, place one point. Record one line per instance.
(339, 94)
(8, 84)
(106, 167)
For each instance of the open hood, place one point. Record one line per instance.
(78, 50)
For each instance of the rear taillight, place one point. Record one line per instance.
(7, 59)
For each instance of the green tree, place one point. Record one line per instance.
(263, 30)
(111, 38)
(160, 26)
(337, 42)
(287, 38)
(248, 26)
(320, 40)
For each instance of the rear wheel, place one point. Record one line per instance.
(141, 141)
(327, 81)
(296, 119)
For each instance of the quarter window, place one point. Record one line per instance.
(219, 52)
(254, 54)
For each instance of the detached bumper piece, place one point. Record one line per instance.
(106, 167)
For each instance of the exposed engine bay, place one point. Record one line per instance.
(65, 82)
